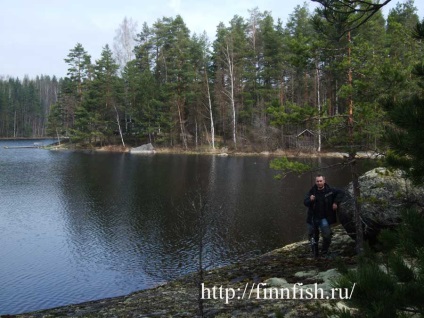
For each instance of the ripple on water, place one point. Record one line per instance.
(82, 226)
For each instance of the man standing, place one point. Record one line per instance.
(322, 202)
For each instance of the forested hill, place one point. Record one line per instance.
(260, 85)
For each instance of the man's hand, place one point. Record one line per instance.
(334, 206)
(312, 198)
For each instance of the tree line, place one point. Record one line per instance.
(25, 105)
(260, 85)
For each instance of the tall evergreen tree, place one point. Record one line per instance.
(79, 75)
(98, 116)
(79, 70)
(407, 114)
(298, 37)
(146, 107)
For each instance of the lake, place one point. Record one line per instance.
(78, 225)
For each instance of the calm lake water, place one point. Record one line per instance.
(80, 226)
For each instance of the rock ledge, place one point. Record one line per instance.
(291, 264)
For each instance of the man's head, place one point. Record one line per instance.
(320, 181)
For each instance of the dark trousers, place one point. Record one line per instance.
(323, 226)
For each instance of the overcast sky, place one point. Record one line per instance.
(36, 35)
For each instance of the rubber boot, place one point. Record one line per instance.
(325, 245)
(313, 239)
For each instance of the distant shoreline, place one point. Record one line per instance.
(226, 152)
(223, 151)
(26, 138)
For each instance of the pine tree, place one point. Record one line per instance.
(298, 42)
(143, 92)
(389, 284)
(74, 88)
(407, 114)
(97, 118)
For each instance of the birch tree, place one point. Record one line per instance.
(124, 42)
(230, 63)
(200, 106)
(229, 92)
(109, 88)
(212, 124)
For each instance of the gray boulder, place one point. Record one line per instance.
(144, 149)
(384, 194)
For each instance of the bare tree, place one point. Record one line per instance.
(229, 92)
(124, 42)
(196, 208)
(208, 93)
(210, 110)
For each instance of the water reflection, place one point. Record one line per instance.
(103, 225)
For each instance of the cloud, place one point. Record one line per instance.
(175, 5)
(38, 35)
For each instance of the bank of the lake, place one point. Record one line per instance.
(224, 151)
(179, 298)
(86, 225)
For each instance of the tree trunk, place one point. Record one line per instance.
(210, 111)
(181, 125)
(352, 154)
(14, 125)
(119, 126)
(58, 138)
(357, 195)
(281, 91)
(319, 110)
(230, 94)
(195, 131)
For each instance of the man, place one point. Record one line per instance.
(322, 202)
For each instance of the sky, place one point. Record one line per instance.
(36, 36)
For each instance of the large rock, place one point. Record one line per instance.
(384, 194)
(144, 149)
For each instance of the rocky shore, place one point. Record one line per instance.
(251, 281)
(223, 151)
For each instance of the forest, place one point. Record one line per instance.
(258, 86)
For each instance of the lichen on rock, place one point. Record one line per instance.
(384, 194)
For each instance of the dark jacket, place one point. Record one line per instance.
(322, 206)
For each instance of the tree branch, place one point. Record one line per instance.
(338, 11)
